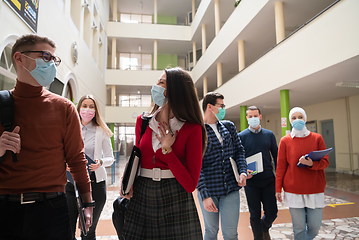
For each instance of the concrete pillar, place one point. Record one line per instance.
(155, 55)
(243, 114)
(113, 54)
(241, 58)
(205, 88)
(219, 74)
(284, 111)
(155, 12)
(193, 9)
(194, 50)
(113, 95)
(114, 10)
(279, 21)
(204, 40)
(217, 19)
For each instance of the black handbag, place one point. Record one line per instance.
(130, 173)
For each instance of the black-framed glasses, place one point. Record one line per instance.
(221, 105)
(47, 57)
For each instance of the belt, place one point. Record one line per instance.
(30, 197)
(156, 173)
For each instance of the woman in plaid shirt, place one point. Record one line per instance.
(217, 187)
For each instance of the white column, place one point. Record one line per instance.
(205, 88)
(155, 12)
(217, 20)
(194, 50)
(113, 54)
(241, 59)
(193, 9)
(219, 74)
(279, 21)
(114, 10)
(155, 55)
(204, 43)
(113, 95)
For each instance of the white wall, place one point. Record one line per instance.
(131, 77)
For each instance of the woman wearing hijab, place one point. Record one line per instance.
(303, 186)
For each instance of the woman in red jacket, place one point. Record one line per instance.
(303, 186)
(172, 146)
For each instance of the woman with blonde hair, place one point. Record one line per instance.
(96, 136)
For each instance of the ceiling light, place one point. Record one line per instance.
(347, 84)
(139, 48)
(138, 92)
(141, 5)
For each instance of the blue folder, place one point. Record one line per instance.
(252, 166)
(316, 155)
(89, 162)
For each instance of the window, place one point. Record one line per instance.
(135, 18)
(134, 100)
(7, 70)
(135, 61)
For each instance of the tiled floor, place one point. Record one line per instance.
(340, 216)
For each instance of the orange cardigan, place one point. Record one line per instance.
(303, 180)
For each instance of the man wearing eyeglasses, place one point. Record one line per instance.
(217, 186)
(46, 136)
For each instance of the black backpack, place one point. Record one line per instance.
(7, 116)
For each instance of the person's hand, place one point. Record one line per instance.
(249, 175)
(242, 180)
(167, 138)
(129, 195)
(209, 205)
(88, 212)
(305, 161)
(279, 196)
(10, 141)
(93, 167)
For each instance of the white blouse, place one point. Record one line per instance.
(174, 123)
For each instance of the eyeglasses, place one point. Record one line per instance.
(47, 57)
(221, 105)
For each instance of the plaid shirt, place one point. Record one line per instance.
(217, 177)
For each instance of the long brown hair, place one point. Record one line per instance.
(183, 100)
(97, 120)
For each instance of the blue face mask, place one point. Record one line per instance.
(221, 113)
(44, 73)
(157, 95)
(298, 124)
(253, 122)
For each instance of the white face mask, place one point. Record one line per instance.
(253, 122)
(44, 73)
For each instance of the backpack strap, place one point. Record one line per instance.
(7, 115)
(145, 121)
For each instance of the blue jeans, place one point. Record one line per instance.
(306, 222)
(48, 219)
(228, 208)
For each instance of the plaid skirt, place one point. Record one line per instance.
(161, 210)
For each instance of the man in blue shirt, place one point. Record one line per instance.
(217, 186)
(260, 188)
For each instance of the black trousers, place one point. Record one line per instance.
(48, 219)
(99, 195)
(261, 192)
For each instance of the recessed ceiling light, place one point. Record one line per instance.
(348, 84)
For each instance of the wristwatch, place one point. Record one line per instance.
(165, 151)
(91, 204)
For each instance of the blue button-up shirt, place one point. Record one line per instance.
(217, 177)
